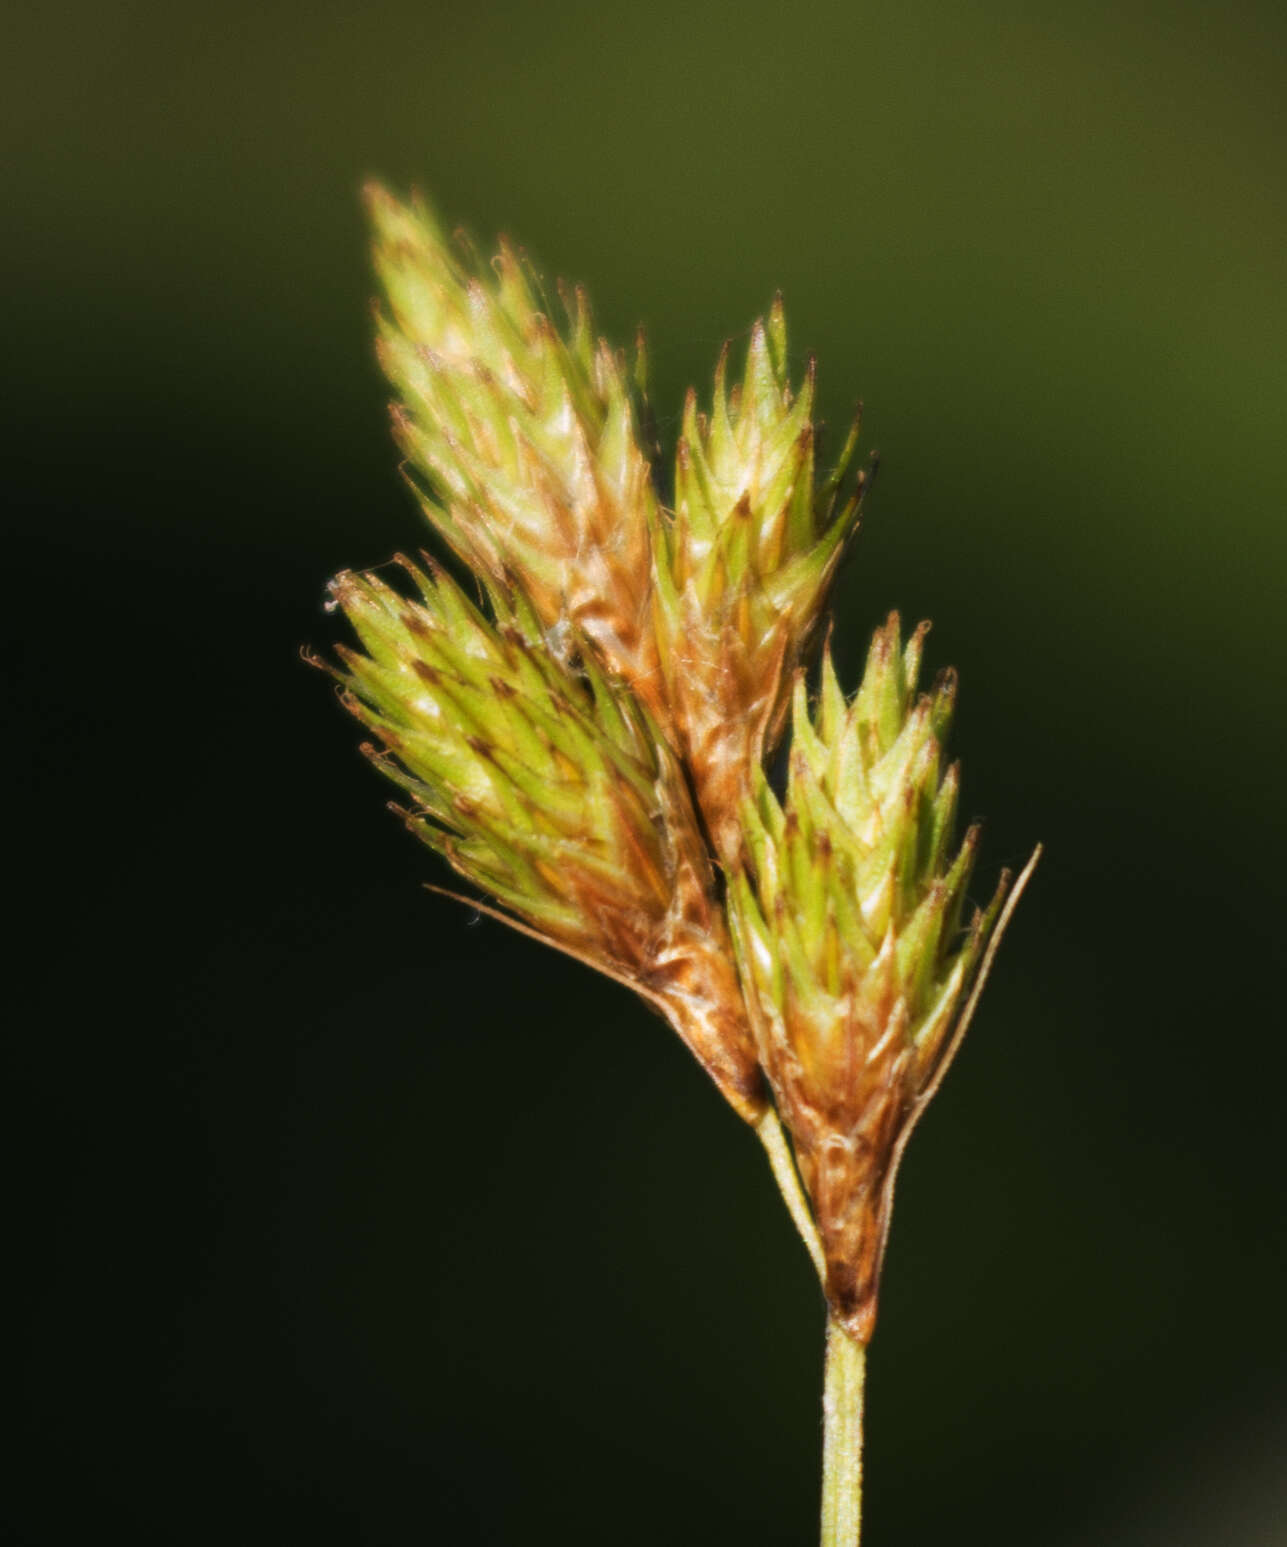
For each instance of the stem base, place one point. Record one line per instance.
(842, 1402)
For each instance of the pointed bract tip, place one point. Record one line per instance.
(375, 196)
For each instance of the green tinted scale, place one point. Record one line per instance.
(747, 512)
(851, 894)
(518, 766)
(521, 437)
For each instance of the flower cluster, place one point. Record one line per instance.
(587, 745)
(847, 921)
(742, 570)
(543, 782)
(521, 437)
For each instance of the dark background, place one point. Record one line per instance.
(340, 1215)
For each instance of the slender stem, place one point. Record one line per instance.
(769, 1132)
(842, 1438)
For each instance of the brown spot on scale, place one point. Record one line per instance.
(376, 197)
(405, 564)
(342, 587)
(885, 637)
(742, 510)
(425, 672)
(503, 689)
(414, 624)
(432, 564)
(482, 747)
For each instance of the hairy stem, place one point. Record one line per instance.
(842, 1395)
(782, 1163)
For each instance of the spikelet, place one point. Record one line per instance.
(544, 784)
(743, 567)
(520, 437)
(848, 927)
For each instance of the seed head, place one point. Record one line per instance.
(847, 921)
(542, 781)
(519, 433)
(743, 568)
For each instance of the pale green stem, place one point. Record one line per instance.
(842, 1438)
(782, 1162)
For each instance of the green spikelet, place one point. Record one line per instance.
(743, 568)
(847, 922)
(520, 434)
(544, 784)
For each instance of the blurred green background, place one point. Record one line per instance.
(341, 1215)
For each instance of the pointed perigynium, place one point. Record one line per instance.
(743, 568)
(543, 783)
(847, 924)
(520, 435)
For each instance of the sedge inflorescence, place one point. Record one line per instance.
(587, 743)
